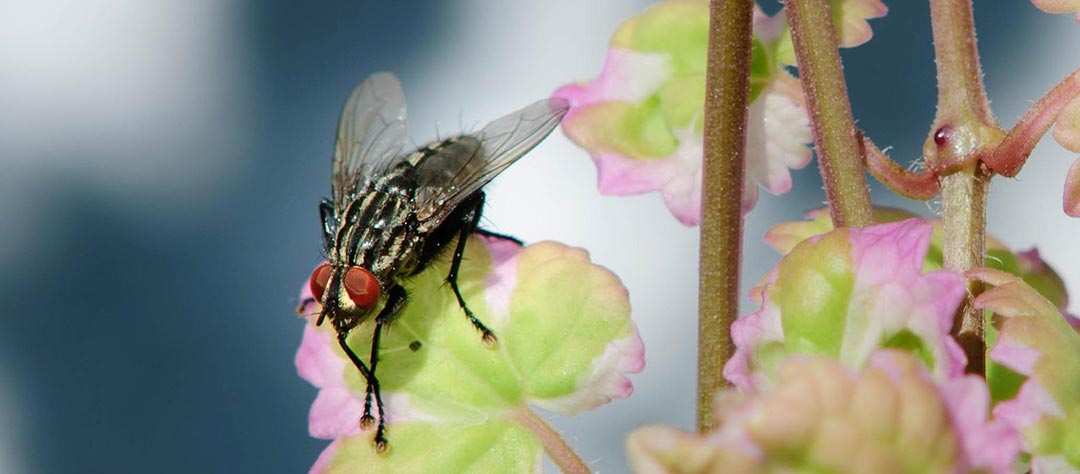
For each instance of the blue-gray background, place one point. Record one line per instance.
(160, 164)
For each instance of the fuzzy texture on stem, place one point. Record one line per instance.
(963, 128)
(963, 199)
(555, 446)
(1010, 155)
(920, 185)
(961, 95)
(835, 135)
(727, 96)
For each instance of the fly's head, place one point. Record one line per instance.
(348, 293)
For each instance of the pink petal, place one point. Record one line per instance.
(748, 333)
(316, 360)
(1015, 356)
(325, 458)
(627, 76)
(335, 413)
(502, 281)
(883, 251)
(677, 177)
(989, 445)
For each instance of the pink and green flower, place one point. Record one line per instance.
(566, 344)
(641, 119)
(846, 294)
(821, 415)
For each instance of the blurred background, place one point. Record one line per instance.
(160, 165)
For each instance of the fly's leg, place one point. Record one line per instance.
(394, 304)
(326, 215)
(488, 233)
(373, 387)
(472, 219)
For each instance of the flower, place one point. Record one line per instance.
(891, 415)
(846, 294)
(1059, 6)
(641, 119)
(1036, 341)
(566, 344)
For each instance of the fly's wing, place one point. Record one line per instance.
(371, 132)
(465, 165)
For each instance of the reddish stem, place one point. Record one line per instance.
(921, 185)
(822, 77)
(1009, 156)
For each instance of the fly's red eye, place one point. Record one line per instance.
(362, 287)
(318, 280)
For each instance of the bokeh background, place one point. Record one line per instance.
(160, 165)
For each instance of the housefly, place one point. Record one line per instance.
(392, 213)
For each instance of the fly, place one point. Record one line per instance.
(391, 213)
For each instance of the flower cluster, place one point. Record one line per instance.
(848, 364)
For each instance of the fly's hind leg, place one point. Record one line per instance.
(471, 220)
(488, 233)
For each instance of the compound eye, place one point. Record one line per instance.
(317, 283)
(362, 287)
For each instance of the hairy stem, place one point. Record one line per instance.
(727, 93)
(920, 185)
(963, 127)
(835, 136)
(961, 95)
(963, 199)
(555, 446)
(1012, 152)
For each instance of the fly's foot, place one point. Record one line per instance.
(489, 338)
(366, 421)
(381, 444)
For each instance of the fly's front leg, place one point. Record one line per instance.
(373, 386)
(472, 219)
(394, 304)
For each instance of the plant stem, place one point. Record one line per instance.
(922, 185)
(1012, 152)
(555, 446)
(727, 93)
(822, 77)
(963, 199)
(963, 127)
(961, 95)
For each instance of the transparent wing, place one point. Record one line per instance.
(371, 132)
(462, 168)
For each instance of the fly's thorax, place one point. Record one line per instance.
(380, 234)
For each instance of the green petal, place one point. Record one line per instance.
(565, 340)
(496, 446)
